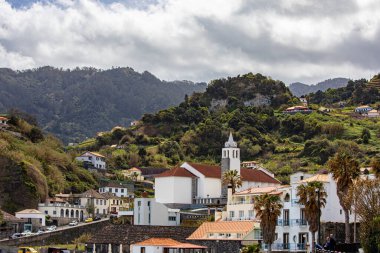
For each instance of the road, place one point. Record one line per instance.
(61, 228)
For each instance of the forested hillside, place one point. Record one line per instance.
(358, 92)
(251, 107)
(75, 104)
(34, 166)
(299, 89)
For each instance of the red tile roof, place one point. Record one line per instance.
(168, 243)
(176, 172)
(3, 118)
(253, 175)
(241, 227)
(213, 171)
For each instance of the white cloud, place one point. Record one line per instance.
(198, 40)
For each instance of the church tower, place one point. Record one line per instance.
(230, 160)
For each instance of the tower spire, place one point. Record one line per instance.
(230, 143)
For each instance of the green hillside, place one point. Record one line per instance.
(34, 166)
(251, 107)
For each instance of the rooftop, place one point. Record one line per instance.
(92, 153)
(92, 194)
(29, 211)
(260, 190)
(324, 178)
(169, 243)
(7, 217)
(241, 227)
(176, 172)
(3, 118)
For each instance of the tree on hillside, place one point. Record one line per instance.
(367, 206)
(345, 169)
(366, 135)
(308, 196)
(268, 208)
(233, 178)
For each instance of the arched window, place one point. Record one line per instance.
(67, 213)
(72, 213)
(62, 213)
(76, 214)
(287, 197)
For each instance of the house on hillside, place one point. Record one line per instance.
(194, 183)
(11, 224)
(3, 120)
(120, 189)
(304, 101)
(363, 109)
(166, 245)
(61, 212)
(297, 109)
(133, 173)
(92, 160)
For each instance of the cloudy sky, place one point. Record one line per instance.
(198, 40)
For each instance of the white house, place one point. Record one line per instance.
(194, 183)
(34, 219)
(94, 201)
(373, 114)
(363, 109)
(292, 230)
(95, 159)
(166, 245)
(64, 212)
(3, 120)
(120, 189)
(147, 211)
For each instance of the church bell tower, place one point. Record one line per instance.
(230, 160)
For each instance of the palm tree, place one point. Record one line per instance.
(268, 208)
(345, 170)
(233, 178)
(308, 196)
(254, 248)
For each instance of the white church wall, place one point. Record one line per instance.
(173, 190)
(212, 187)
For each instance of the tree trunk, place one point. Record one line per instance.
(312, 242)
(347, 226)
(269, 247)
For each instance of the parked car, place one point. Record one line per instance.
(39, 232)
(73, 223)
(88, 220)
(27, 233)
(26, 250)
(58, 250)
(51, 228)
(15, 236)
(97, 217)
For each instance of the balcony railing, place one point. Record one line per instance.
(298, 222)
(241, 202)
(286, 246)
(281, 222)
(60, 205)
(240, 218)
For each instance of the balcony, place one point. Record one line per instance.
(242, 202)
(283, 223)
(240, 218)
(298, 222)
(285, 246)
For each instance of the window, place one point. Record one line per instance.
(116, 190)
(232, 214)
(221, 234)
(54, 212)
(340, 211)
(101, 202)
(287, 197)
(46, 212)
(286, 240)
(241, 214)
(148, 203)
(228, 235)
(149, 218)
(139, 203)
(301, 177)
(172, 218)
(239, 235)
(122, 190)
(97, 202)
(210, 234)
(142, 250)
(250, 213)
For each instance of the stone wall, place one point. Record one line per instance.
(219, 246)
(58, 237)
(338, 231)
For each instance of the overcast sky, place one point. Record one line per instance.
(198, 40)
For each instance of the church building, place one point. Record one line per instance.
(194, 183)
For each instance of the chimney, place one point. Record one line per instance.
(229, 194)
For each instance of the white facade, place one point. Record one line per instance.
(147, 211)
(147, 249)
(32, 216)
(3, 121)
(173, 190)
(97, 160)
(117, 191)
(63, 210)
(100, 204)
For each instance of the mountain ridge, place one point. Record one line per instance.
(299, 89)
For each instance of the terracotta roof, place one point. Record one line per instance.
(168, 243)
(29, 211)
(176, 172)
(134, 169)
(92, 194)
(3, 118)
(56, 199)
(258, 190)
(7, 217)
(324, 178)
(212, 171)
(253, 175)
(119, 184)
(241, 227)
(93, 153)
(109, 195)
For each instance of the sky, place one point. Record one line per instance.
(198, 40)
